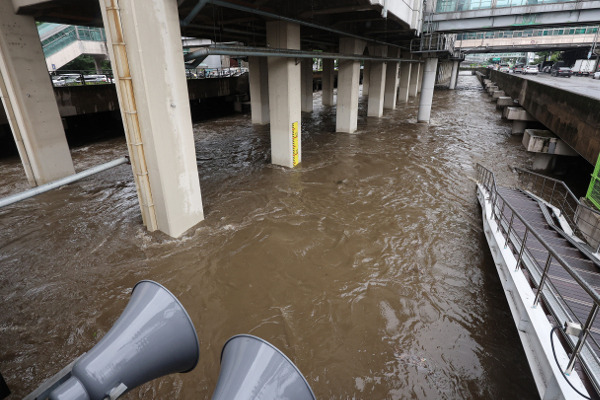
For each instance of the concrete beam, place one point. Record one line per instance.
(377, 82)
(284, 95)
(517, 114)
(497, 94)
(544, 141)
(28, 100)
(348, 84)
(504, 101)
(328, 81)
(152, 91)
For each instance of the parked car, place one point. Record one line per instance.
(561, 70)
(96, 78)
(518, 68)
(530, 69)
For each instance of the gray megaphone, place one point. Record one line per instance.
(252, 368)
(154, 336)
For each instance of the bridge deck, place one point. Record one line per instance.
(575, 298)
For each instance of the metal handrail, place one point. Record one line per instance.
(563, 198)
(486, 178)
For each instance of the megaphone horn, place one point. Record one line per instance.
(252, 368)
(154, 336)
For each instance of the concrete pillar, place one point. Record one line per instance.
(420, 74)
(348, 81)
(259, 90)
(306, 83)
(328, 80)
(28, 99)
(454, 76)
(413, 91)
(284, 95)
(377, 82)
(543, 162)
(153, 97)
(391, 80)
(405, 79)
(518, 127)
(426, 99)
(366, 78)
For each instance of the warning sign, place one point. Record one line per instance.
(294, 143)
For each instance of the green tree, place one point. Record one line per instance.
(84, 63)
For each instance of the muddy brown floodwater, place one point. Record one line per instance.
(366, 264)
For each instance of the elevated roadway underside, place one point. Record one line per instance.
(231, 21)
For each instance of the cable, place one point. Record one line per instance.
(558, 365)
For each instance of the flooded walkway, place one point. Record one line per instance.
(366, 265)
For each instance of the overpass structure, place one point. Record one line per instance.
(556, 39)
(62, 43)
(490, 15)
(280, 39)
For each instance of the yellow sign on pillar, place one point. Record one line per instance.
(294, 143)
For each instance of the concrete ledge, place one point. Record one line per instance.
(504, 101)
(544, 141)
(517, 114)
(497, 94)
(571, 116)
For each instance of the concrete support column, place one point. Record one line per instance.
(426, 99)
(405, 79)
(420, 74)
(153, 97)
(259, 90)
(284, 95)
(348, 81)
(306, 83)
(377, 82)
(413, 89)
(391, 80)
(28, 99)
(454, 76)
(98, 59)
(328, 80)
(518, 127)
(366, 83)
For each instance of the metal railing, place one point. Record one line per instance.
(585, 348)
(433, 43)
(584, 221)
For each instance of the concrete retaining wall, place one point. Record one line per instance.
(90, 99)
(572, 117)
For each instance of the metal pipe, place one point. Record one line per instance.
(61, 182)
(582, 337)
(289, 53)
(298, 21)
